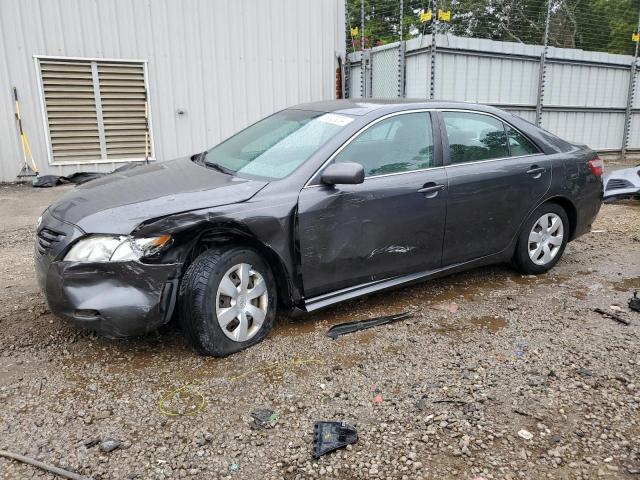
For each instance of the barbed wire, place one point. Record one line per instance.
(597, 25)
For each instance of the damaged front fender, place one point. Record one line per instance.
(268, 226)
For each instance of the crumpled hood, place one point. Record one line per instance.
(118, 202)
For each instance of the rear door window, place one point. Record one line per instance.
(519, 144)
(401, 143)
(474, 137)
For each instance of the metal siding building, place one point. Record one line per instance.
(224, 64)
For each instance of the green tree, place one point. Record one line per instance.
(600, 25)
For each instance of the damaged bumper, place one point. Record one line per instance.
(624, 183)
(115, 299)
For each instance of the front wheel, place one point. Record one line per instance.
(542, 240)
(227, 301)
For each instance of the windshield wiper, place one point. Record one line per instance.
(198, 157)
(220, 168)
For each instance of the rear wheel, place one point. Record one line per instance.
(227, 301)
(542, 240)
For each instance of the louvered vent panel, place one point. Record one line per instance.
(71, 110)
(122, 94)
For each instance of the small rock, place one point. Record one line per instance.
(109, 445)
(526, 434)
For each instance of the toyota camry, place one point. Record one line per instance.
(313, 205)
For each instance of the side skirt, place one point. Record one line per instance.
(331, 298)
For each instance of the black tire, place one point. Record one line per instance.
(521, 258)
(198, 297)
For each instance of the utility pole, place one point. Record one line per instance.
(630, 98)
(362, 25)
(363, 65)
(401, 19)
(346, 65)
(543, 66)
(401, 49)
(434, 28)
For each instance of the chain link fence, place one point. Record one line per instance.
(570, 66)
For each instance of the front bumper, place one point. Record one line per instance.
(115, 299)
(623, 183)
(621, 193)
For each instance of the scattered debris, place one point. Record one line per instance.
(377, 399)
(47, 181)
(520, 348)
(521, 412)
(598, 231)
(451, 400)
(274, 367)
(453, 308)
(191, 409)
(617, 318)
(92, 442)
(616, 308)
(48, 468)
(585, 372)
(109, 445)
(350, 327)
(526, 434)
(634, 302)
(263, 418)
(329, 436)
(234, 467)
(536, 381)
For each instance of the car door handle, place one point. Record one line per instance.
(536, 171)
(431, 189)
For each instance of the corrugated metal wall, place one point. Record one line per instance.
(225, 63)
(585, 93)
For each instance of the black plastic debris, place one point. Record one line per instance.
(350, 327)
(46, 181)
(330, 436)
(634, 302)
(617, 318)
(78, 178)
(263, 417)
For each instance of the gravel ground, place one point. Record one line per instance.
(442, 395)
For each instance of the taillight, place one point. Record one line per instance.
(596, 165)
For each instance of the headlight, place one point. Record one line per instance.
(104, 248)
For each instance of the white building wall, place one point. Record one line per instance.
(225, 63)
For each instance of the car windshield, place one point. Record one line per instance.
(275, 146)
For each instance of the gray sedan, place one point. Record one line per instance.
(314, 205)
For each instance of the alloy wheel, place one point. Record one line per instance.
(241, 302)
(545, 239)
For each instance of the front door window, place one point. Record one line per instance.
(401, 143)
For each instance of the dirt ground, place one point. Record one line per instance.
(441, 395)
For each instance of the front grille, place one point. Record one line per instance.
(618, 184)
(46, 239)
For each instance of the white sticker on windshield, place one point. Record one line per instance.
(335, 119)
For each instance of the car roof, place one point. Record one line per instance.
(365, 106)
(375, 108)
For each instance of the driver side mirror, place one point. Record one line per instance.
(345, 173)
